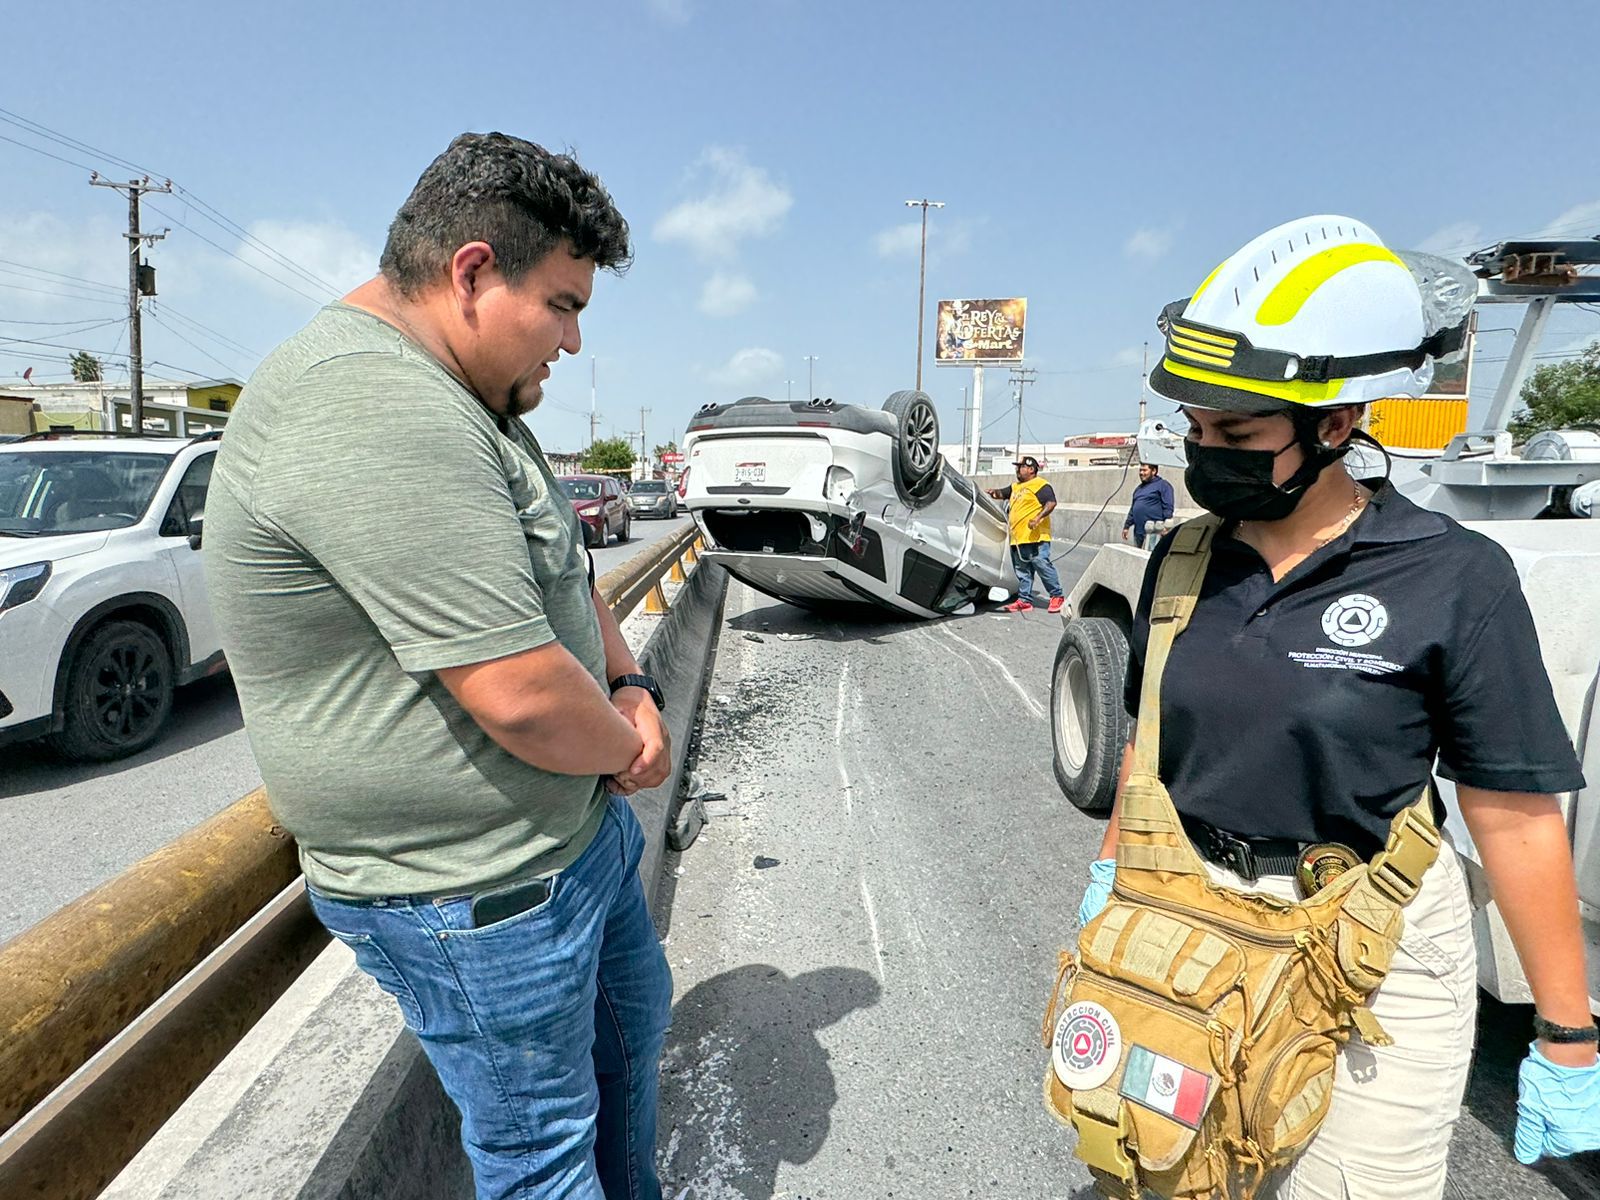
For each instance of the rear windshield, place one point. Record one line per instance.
(649, 487)
(70, 491)
(582, 489)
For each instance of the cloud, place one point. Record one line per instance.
(904, 241)
(751, 366)
(1458, 237)
(736, 201)
(676, 12)
(726, 295)
(1581, 220)
(48, 247)
(1128, 356)
(1149, 243)
(901, 240)
(330, 252)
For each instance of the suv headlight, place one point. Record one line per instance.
(18, 585)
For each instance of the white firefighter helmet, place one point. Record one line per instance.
(1317, 313)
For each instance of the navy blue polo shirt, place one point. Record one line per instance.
(1313, 707)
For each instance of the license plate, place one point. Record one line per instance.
(750, 473)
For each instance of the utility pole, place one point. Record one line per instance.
(1021, 377)
(811, 377)
(644, 446)
(594, 417)
(1144, 375)
(966, 416)
(922, 274)
(136, 285)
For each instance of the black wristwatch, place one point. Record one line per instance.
(647, 682)
(1549, 1031)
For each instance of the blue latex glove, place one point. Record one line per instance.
(1098, 894)
(1558, 1108)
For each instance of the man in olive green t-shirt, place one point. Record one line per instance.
(445, 714)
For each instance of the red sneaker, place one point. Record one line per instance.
(1017, 606)
(1056, 602)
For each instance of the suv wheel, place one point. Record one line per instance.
(627, 527)
(119, 693)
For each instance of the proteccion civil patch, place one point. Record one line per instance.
(1168, 1087)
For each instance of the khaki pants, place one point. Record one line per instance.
(1388, 1127)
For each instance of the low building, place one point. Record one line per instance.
(170, 406)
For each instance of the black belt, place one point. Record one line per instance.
(1249, 858)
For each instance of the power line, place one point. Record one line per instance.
(33, 127)
(75, 280)
(198, 349)
(47, 154)
(243, 261)
(208, 211)
(229, 225)
(215, 335)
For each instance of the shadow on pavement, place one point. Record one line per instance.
(840, 623)
(202, 712)
(746, 1084)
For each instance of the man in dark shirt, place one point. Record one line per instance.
(1152, 501)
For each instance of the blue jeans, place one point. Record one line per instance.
(545, 1028)
(1028, 557)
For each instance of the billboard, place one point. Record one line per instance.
(974, 332)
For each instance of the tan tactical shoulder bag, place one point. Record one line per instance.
(1193, 1035)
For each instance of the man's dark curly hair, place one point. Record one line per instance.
(518, 197)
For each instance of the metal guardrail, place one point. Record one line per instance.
(115, 1007)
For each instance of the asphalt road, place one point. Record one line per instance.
(65, 828)
(864, 937)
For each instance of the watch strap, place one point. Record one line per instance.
(647, 682)
(1549, 1031)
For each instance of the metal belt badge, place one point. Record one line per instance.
(1322, 863)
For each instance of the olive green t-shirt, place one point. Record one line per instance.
(370, 522)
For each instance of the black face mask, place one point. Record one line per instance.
(1237, 484)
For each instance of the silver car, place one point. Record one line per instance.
(652, 498)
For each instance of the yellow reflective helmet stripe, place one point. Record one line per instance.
(1201, 335)
(1295, 391)
(1294, 289)
(1200, 291)
(1199, 351)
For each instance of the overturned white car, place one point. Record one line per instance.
(834, 506)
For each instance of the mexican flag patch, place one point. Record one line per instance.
(1168, 1087)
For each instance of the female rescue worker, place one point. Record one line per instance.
(1343, 639)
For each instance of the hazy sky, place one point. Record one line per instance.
(1097, 159)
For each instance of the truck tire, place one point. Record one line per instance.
(916, 440)
(1088, 724)
(118, 693)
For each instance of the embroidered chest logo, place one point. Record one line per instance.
(1355, 620)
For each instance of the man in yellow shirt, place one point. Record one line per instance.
(1032, 501)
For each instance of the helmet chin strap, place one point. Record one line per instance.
(1318, 454)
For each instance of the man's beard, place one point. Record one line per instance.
(524, 400)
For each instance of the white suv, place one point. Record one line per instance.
(103, 609)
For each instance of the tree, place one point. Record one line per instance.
(1560, 396)
(85, 367)
(609, 454)
(668, 448)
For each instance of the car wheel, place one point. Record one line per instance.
(916, 440)
(1088, 724)
(627, 528)
(118, 695)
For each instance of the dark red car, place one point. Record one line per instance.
(599, 502)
